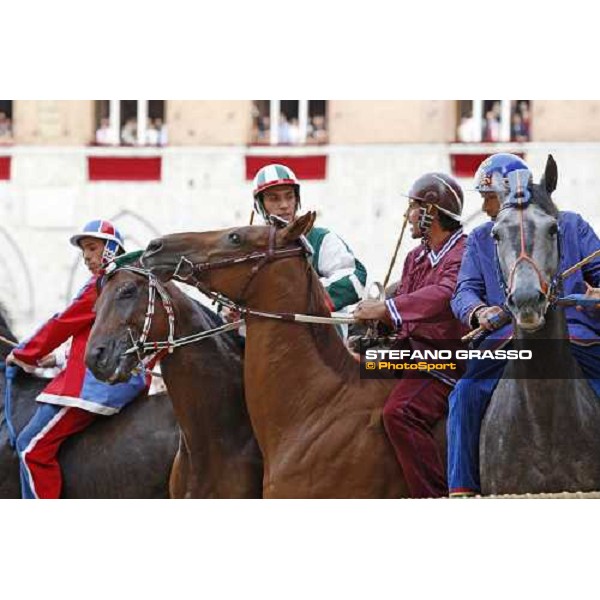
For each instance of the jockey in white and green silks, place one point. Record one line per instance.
(277, 192)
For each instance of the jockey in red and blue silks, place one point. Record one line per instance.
(75, 398)
(479, 297)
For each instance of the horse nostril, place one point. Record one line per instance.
(98, 356)
(153, 247)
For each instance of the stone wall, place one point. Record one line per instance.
(49, 196)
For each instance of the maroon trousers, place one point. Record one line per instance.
(409, 415)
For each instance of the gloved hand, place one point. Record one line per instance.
(491, 317)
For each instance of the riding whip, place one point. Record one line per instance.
(580, 264)
(389, 273)
(7, 341)
(498, 320)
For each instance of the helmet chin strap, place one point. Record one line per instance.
(110, 251)
(425, 219)
(259, 208)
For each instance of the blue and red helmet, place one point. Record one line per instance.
(102, 230)
(492, 174)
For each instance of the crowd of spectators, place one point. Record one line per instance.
(489, 130)
(6, 134)
(155, 134)
(519, 127)
(288, 130)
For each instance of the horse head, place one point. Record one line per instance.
(526, 237)
(224, 261)
(122, 311)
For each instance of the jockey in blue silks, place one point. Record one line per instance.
(478, 301)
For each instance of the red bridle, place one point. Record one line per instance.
(524, 257)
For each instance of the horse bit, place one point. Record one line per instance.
(141, 346)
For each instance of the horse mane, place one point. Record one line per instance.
(329, 344)
(209, 319)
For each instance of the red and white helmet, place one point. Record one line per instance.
(270, 176)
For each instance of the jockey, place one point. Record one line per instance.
(74, 399)
(478, 301)
(277, 192)
(419, 310)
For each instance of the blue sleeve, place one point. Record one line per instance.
(589, 243)
(470, 287)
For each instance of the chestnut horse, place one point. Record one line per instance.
(218, 456)
(318, 424)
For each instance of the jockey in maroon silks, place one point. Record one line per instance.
(419, 310)
(74, 398)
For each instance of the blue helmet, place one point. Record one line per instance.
(492, 174)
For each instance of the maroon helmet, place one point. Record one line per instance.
(439, 190)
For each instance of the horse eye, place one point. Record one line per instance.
(235, 238)
(553, 229)
(127, 291)
(495, 235)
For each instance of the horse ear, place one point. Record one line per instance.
(299, 226)
(550, 177)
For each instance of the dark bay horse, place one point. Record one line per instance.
(128, 455)
(541, 431)
(317, 423)
(218, 456)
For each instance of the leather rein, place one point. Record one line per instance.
(142, 346)
(188, 272)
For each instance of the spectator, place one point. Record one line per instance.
(129, 132)
(518, 132)
(162, 131)
(283, 136)
(319, 131)
(294, 131)
(105, 135)
(467, 130)
(491, 127)
(264, 129)
(5, 129)
(523, 110)
(152, 133)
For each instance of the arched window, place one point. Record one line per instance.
(130, 123)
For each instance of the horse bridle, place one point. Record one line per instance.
(141, 345)
(189, 272)
(524, 257)
(520, 200)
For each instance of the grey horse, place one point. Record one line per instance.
(541, 431)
